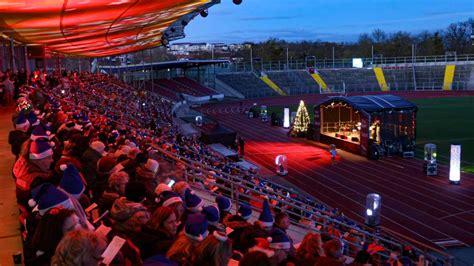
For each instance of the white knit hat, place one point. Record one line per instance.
(152, 165)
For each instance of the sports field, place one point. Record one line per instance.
(441, 121)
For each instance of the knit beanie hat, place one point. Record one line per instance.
(279, 240)
(40, 149)
(192, 201)
(196, 227)
(47, 196)
(71, 180)
(168, 198)
(266, 217)
(224, 203)
(245, 211)
(212, 214)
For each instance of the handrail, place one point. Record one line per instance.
(280, 65)
(448, 256)
(206, 169)
(234, 184)
(266, 180)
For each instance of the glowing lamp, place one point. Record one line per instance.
(455, 164)
(286, 118)
(372, 209)
(281, 165)
(198, 120)
(430, 152)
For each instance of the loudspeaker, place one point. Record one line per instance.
(430, 169)
(374, 153)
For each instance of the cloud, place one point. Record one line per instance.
(269, 18)
(237, 36)
(432, 16)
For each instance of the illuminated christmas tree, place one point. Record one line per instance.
(301, 123)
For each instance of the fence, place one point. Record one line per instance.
(346, 63)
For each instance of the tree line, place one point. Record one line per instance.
(455, 38)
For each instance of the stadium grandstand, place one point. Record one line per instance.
(106, 161)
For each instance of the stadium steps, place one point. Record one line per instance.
(194, 85)
(248, 84)
(227, 90)
(448, 77)
(381, 78)
(272, 85)
(319, 80)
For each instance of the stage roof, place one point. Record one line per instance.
(95, 27)
(374, 103)
(184, 64)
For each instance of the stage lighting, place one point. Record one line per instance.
(184, 23)
(198, 120)
(173, 30)
(281, 164)
(455, 164)
(372, 209)
(204, 13)
(286, 118)
(237, 2)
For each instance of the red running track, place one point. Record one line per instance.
(427, 209)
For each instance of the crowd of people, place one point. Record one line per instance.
(91, 170)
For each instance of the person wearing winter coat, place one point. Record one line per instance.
(128, 214)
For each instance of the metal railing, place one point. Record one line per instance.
(235, 184)
(345, 63)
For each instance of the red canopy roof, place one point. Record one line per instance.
(93, 27)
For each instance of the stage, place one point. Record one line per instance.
(422, 208)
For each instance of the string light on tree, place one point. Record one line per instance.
(301, 120)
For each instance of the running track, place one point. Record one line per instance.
(427, 209)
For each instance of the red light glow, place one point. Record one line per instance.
(92, 27)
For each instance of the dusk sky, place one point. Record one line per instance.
(327, 20)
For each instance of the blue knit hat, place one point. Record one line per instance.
(40, 149)
(266, 217)
(193, 202)
(169, 197)
(245, 211)
(212, 214)
(279, 240)
(224, 203)
(39, 133)
(196, 227)
(47, 196)
(21, 121)
(33, 119)
(71, 181)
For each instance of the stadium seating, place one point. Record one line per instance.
(397, 77)
(114, 104)
(248, 84)
(294, 82)
(196, 86)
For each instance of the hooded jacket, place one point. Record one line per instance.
(128, 216)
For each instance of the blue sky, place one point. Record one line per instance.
(327, 20)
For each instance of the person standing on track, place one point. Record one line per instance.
(241, 143)
(333, 152)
